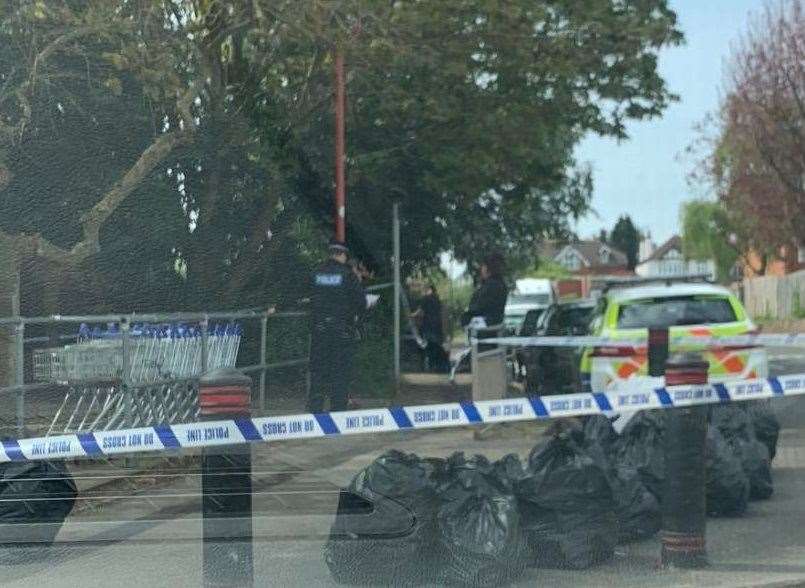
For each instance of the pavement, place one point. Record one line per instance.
(146, 531)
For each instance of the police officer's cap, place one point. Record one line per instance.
(337, 246)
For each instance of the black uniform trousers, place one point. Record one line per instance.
(331, 359)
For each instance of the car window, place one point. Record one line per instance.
(676, 311)
(577, 319)
(596, 317)
(570, 321)
(530, 323)
(545, 318)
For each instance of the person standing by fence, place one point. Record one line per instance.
(431, 329)
(338, 304)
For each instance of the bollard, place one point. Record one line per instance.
(226, 484)
(684, 516)
(657, 352)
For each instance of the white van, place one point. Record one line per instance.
(529, 294)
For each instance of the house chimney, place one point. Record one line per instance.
(647, 248)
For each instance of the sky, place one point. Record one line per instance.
(645, 176)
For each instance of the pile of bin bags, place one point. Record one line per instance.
(470, 522)
(405, 520)
(740, 445)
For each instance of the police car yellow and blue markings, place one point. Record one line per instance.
(723, 362)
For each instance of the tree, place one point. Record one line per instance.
(93, 103)
(707, 233)
(549, 269)
(90, 106)
(202, 131)
(626, 237)
(749, 227)
(127, 151)
(765, 116)
(755, 159)
(468, 116)
(76, 77)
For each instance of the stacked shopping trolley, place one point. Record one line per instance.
(137, 376)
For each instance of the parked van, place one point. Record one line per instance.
(529, 294)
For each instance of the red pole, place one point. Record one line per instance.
(340, 176)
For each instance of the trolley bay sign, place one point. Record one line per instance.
(301, 426)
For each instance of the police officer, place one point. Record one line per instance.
(338, 305)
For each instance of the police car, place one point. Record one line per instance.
(688, 310)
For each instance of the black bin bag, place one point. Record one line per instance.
(567, 506)
(384, 531)
(480, 537)
(509, 471)
(767, 427)
(734, 422)
(640, 447)
(599, 432)
(637, 509)
(35, 498)
(727, 484)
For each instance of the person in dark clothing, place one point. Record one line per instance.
(489, 299)
(338, 304)
(432, 330)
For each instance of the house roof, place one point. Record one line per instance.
(590, 252)
(674, 242)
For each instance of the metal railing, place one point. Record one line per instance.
(123, 383)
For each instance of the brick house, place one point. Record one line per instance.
(590, 261)
(590, 257)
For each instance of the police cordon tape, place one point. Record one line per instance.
(770, 339)
(378, 420)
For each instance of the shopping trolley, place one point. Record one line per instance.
(143, 377)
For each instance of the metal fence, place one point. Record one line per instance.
(70, 376)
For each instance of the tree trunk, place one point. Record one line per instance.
(9, 306)
(764, 263)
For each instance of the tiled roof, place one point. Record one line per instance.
(589, 250)
(674, 242)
